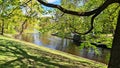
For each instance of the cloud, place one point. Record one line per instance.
(51, 1)
(47, 15)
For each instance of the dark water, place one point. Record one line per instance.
(66, 45)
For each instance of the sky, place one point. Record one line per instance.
(53, 2)
(48, 8)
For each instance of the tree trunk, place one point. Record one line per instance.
(23, 27)
(115, 51)
(2, 28)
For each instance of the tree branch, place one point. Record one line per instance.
(94, 12)
(58, 17)
(91, 28)
(18, 7)
(22, 27)
(101, 8)
(115, 10)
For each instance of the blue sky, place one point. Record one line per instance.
(53, 2)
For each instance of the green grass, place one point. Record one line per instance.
(20, 54)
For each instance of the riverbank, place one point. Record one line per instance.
(20, 54)
(103, 40)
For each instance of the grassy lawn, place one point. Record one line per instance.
(20, 54)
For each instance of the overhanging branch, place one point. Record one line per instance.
(102, 7)
(94, 12)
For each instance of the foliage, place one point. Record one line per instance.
(90, 47)
(14, 13)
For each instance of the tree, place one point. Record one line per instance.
(8, 9)
(115, 54)
(18, 15)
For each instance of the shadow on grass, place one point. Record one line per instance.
(22, 58)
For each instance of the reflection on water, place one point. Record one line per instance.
(65, 45)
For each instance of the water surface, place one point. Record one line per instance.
(65, 45)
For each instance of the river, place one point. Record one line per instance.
(65, 45)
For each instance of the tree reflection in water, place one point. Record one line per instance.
(66, 45)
